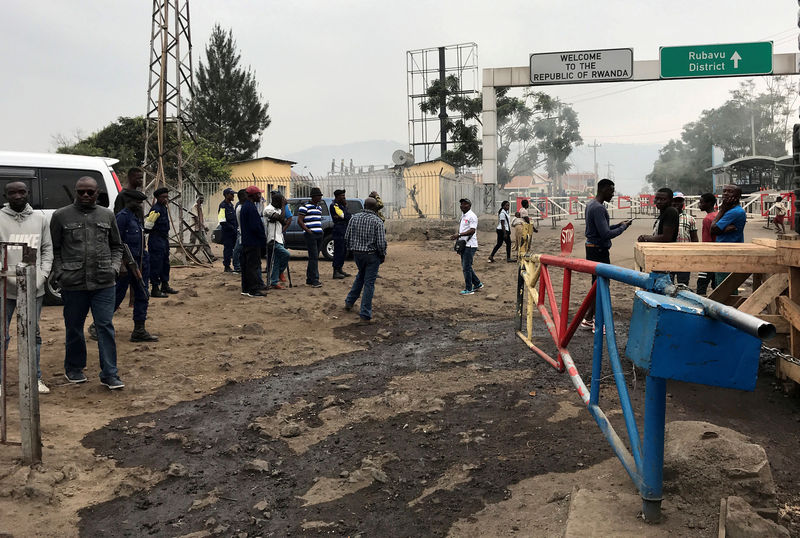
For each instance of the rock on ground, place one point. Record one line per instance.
(741, 521)
(702, 461)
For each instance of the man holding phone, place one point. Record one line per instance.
(599, 234)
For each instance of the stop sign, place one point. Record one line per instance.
(567, 239)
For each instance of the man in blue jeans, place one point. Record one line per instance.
(309, 217)
(87, 253)
(366, 238)
(468, 231)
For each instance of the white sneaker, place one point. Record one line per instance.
(43, 388)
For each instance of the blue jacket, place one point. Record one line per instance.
(229, 225)
(253, 234)
(131, 231)
(161, 227)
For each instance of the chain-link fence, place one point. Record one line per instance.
(404, 195)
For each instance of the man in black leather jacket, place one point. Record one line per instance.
(87, 253)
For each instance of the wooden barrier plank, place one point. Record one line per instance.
(781, 325)
(766, 293)
(718, 257)
(765, 242)
(787, 370)
(728, 286)
(791, 311)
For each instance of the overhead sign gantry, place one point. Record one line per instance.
(610, 65)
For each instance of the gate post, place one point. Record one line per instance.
(27, 317)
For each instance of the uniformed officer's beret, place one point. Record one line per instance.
(135, 195)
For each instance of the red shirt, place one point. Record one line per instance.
(707, 221)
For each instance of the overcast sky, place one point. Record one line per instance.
(334, 71)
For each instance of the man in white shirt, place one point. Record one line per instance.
(279, 256)
(468, 231)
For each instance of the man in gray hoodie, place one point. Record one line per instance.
(87, 253)
(19, 223)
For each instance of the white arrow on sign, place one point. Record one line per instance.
(736, 59)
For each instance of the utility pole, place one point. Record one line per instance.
(610, 166)
(753, 133)
(594, 147)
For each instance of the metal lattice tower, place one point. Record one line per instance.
(170, 87)
(423, 67)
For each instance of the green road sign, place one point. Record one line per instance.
(726, 60)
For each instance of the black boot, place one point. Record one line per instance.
(140, 334)
(166, 289)
(337, 274)
(155, 292)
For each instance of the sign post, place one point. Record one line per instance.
(604, 65)
(725, 60)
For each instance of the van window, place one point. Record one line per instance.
(10, 174)
(58, 186)
(354, 206)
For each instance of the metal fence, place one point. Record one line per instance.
(405, 196)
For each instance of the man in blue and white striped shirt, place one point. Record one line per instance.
(309, 217)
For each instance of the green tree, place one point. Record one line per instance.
(531, 130)
(124, 139)
(682, 163)
(227, 107)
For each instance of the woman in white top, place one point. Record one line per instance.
(503, 232)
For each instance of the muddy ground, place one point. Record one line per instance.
(283, 417)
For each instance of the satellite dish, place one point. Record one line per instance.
(402, 158)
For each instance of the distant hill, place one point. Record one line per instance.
(630, 162)
(369, 152)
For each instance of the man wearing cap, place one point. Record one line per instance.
(687, 231)
(340, 216)
(468, 231)
(226, 215)
(253, 240)
(157, 225)
(366, 237)
(131, 231)
(309, 217)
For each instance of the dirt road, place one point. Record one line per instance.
(281, 416)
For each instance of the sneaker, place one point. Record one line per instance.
(227, 270)
(348, 307)
(316, 285)
(364, 321)
(257, 293)
(236, 272)
(277, 287)
(113, 383)
(478, 287)
(75, 377)
(338, 276)
(43, 388)
(491, 260)
(345, 273)
(282, 277)
(587, 325)
(467, 292)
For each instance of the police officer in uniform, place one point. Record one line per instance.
(227, 221)
(157, 222)
(131, 230)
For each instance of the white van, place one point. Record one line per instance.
(51, 179)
